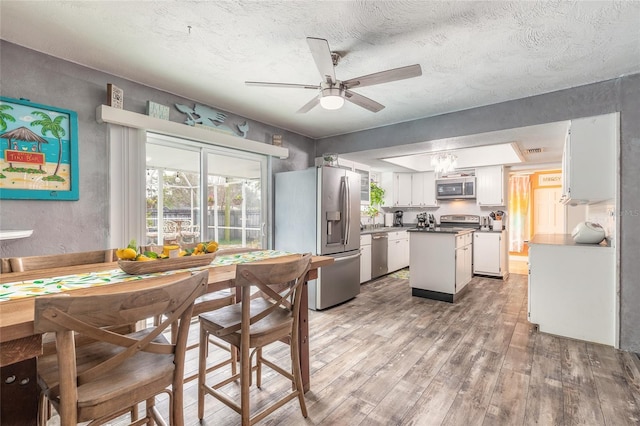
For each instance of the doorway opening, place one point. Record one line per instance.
(534, 208)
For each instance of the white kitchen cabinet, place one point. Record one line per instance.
(397, 189)
(409, 189)
(572, 291)
(490, 186)
(464, 260)
(440, 264)
(365, 258)
(490, 254)
(589, 160)
(397, 250)
(423, 190)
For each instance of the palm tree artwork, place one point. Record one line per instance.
(56, 130)
(4, 117)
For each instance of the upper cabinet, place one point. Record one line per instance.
(423, 189)
(409, 189)
(589, 160)
(397, 189)
(490, 186)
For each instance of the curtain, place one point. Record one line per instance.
(519, 195)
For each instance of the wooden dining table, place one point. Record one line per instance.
(20, 345)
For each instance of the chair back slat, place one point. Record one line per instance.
(33, 263)
(5, 265)
(266, 276)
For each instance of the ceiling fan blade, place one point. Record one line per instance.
(363, 101)
(289, 85)
(309, 105)
(322, 56)
(384, 76)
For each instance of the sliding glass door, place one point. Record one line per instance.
(225, 203)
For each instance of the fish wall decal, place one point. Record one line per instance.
(206, 116)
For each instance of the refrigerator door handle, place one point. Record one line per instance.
(343, 209)
(342, 259)
(348, 210)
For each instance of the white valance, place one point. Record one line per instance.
(107, 114)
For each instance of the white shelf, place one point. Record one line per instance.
(14, 235)
(107, 114)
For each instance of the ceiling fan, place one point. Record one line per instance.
(333, 92)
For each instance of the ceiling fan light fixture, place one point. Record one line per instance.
(331, 98)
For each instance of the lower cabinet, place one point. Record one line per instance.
(490, 254)
(464, 260)
(398, 250)
(572, 291)
(365, 258)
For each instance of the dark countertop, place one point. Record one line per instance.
(453, 231)
(385, 229)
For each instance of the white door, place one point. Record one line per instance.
(548, 212)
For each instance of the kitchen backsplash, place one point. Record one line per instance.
(446, 207)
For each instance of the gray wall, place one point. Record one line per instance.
(70, 226)
(621, 94)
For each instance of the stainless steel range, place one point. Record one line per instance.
(452, 223)
(460, 221)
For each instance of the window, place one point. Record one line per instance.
(226, 204)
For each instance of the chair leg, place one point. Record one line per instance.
(202, 370)
(245, 376)
(259, 367)
(297, 374)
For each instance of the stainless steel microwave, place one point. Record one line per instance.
(456, 188)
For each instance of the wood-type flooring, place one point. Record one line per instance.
(387, 358)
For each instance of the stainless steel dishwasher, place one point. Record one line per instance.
(379, 242)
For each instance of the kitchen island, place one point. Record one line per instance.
(440, 262)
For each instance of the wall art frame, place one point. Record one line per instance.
(38, 151)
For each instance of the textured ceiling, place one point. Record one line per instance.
(471, 53)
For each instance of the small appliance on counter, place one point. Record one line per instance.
(422, 219)
(397, 220)
(432, 221)
(388, 219)
(484, 223)
(588, 233)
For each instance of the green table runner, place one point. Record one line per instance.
(37, 287)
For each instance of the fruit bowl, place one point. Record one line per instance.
(133, 267)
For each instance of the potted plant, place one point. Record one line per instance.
(376, 197)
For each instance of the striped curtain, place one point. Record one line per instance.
(519, 196)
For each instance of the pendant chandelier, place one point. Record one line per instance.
(444, 162)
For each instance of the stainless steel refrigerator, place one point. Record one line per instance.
(318, 211)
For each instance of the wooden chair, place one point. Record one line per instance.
(102, 380)
(33, 263)
(268, 316)
(5, 265)
(207, 303)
